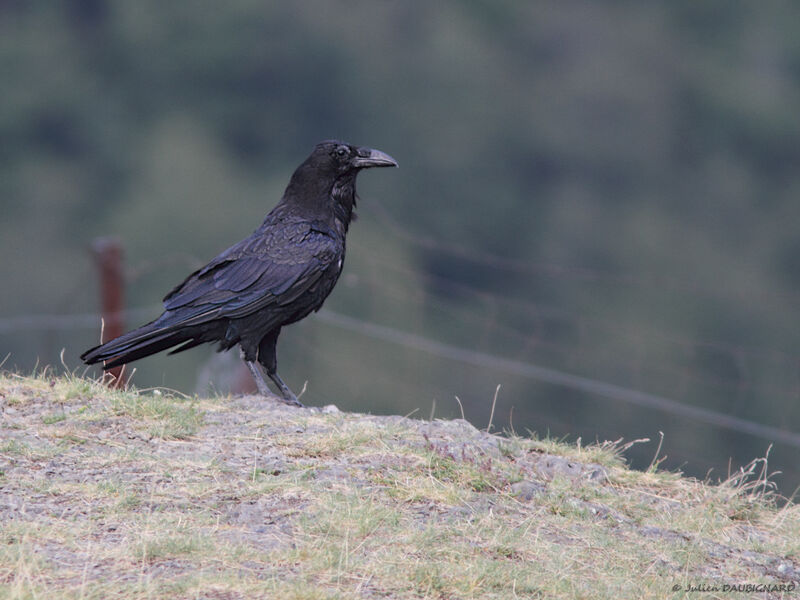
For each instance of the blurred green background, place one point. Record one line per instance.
(605, 189)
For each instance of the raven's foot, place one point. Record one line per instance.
(288, 395)
(263, 389)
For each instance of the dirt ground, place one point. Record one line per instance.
(147, 495)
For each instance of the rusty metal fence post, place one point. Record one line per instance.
(108, 257)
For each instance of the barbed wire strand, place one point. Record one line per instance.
(560, 378)
(556, 312)
(535, 339)
(73, 321)
(481, 257)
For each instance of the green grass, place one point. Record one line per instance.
(170, 546)
(142, 494)
(53, 418)
(169, 417)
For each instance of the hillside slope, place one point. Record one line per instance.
(107, 494)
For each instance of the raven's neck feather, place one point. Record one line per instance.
(318, 198)
(344, 199)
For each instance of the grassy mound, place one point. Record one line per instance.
(146, 494)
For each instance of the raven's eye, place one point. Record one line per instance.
(341, 151)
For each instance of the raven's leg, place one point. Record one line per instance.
(258, 376)
(267, 356)
(257, 373)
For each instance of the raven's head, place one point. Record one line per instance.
(329, 174)
(339, 157)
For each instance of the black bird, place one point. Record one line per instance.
(277, 276)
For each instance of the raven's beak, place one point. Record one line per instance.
(367, 157)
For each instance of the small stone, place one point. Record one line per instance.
(333, 473)
(329, 409)
(597, 474)
(550, 466)
(527, 490)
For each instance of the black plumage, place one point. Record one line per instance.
(275, 277)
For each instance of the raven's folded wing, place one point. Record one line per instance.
(271, 268)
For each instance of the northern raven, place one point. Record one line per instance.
(275, 277)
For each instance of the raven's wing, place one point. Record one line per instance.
(273, 267)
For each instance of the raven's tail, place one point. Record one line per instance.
(136, 344)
